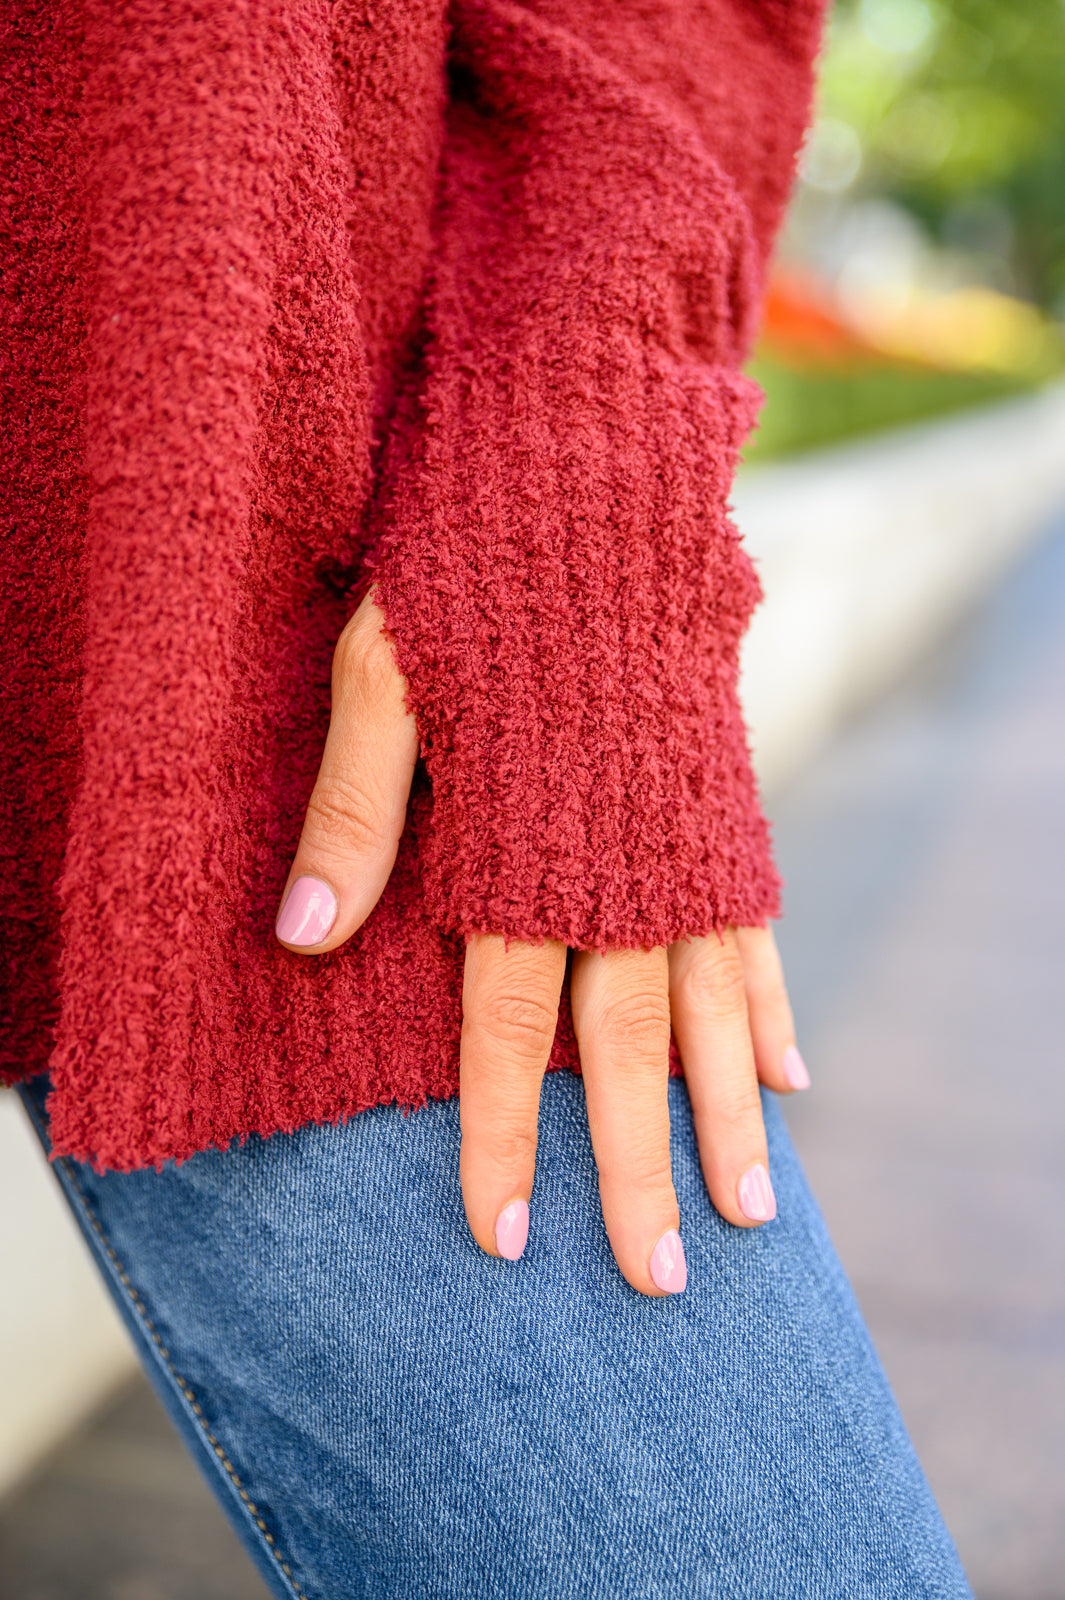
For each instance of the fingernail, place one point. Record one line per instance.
(795, 1069)
(308, 913)
(668, 1266)
(512, 1230)
(756, 1196)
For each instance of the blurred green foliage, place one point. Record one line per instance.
(959, 108)
(954, 111)
(806, 409)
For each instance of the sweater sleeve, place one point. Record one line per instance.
(565, 591)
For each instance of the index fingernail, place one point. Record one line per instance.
(756, 1197)
(308, 913)
(669, 1270)
(512, 1229)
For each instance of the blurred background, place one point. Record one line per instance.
(923, 266)
(904, 500)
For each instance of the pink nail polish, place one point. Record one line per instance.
(308, 913)
(669, 1270)
(756, 1196)
(512, 1230)
(795, 1069)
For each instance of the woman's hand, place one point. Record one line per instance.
(723, 997)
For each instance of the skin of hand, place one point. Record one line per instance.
(723, 996)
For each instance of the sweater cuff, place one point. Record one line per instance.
(553, 555)
(568, 615)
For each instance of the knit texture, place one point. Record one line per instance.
(297, 295)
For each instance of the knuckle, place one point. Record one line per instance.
(763, 972)
(339, 813)
(647, 1168)
(715, 986)
(510, 1144)
(768, 991)
(770, 1002)
(636, 1024)
(523, 1024)
(363, 658)
(738, 1105)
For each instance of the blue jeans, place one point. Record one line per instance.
(385, 1411)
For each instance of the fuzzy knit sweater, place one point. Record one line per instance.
(300, 294)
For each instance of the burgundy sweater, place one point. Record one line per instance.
(297, 293)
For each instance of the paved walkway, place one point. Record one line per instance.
(925, 943)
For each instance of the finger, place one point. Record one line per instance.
(620, 1006)
(708, 1004)
(358, 807)
(776, 1056)
(509, 1011)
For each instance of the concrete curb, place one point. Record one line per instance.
(62, 1346)
(871, 551)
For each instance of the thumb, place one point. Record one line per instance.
(356, 813)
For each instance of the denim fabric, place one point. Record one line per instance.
(386, 1411)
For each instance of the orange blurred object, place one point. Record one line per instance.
(801, 324)
(970, 329)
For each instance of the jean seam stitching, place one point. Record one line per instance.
(252, 1510)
